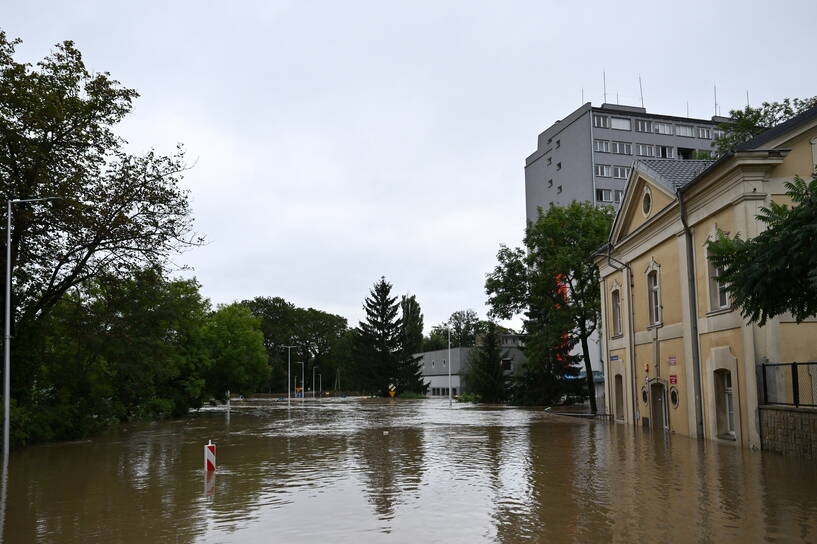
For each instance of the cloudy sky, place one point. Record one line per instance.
(335, 142)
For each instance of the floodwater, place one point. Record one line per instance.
(362, 471)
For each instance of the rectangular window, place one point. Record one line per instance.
(642, 125)
(619, 196)
(703, 132)
(616, 304)
(559, 189)
(558, 144)
(621, 172)
(603, 170)
(654, 298)
(550, 160)
(506, 364)
(684, 130)
(601, 121)
(665, 152)
(622, 148)
(558, 166)
(719, 299)
(717, 133)
(620, 123)
(645, 150)
(602, 146)
(604, 195)
(663, 128)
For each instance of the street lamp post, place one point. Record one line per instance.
(449, 366)
(320, 381)
(7, 337)
(289, 365)
(313, 381)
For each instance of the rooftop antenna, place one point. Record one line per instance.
(715, 87)
(687, 108)
(616, 97)
(747, 98)
(604, 80)
(641, 90)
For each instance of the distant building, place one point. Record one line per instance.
(679, 356)
(436, 365)
(587, 156)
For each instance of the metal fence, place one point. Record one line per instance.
(790, 384)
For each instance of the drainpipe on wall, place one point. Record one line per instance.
(693, 318)
(631, 323)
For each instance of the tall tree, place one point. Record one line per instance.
(747, 123)
(378, 340)
(776, 271)
(554, 281)
(410, 365)
(485, 376)
(465, 328)
(119, 212)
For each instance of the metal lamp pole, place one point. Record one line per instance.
(313, 381)
(289, 365)
(449, 366)
(7, 337)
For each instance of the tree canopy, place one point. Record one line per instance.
(776, 271)
(554, 282)
(749, 122)
(485, 376)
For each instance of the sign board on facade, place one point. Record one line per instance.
(614, 357)
(672, 360)
(673, 379)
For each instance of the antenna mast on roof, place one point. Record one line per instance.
(641, 90)
(715, 87)
(687, 108)
(604, 81)
(747, 98)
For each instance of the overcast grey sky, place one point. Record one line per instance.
(336, 142)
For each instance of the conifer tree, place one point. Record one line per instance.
(378, 342)
(485, 376)
(410, 366)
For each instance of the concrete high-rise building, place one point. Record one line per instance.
(587, 156)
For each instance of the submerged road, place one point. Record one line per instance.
(362, 471)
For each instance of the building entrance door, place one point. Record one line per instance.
(660, 419)
(619, 394)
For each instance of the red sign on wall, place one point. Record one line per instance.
(673, 379)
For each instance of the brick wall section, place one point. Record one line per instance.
(789, 430)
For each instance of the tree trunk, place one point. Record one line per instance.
(591, 387)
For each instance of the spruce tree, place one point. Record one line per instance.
(410, 366)
(485, 376)
(378, 342)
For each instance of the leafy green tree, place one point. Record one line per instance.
(749, 122)
(465, 328)
(776, 271)
(120, 212)
(555, 283)
(378, 346)
(236, 347)
(436, 339)
(485, 376)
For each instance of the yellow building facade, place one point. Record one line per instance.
(679, 356)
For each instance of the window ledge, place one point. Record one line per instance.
(617, 336)
(719, 311)
(652, 326)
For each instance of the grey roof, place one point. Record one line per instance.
(675, 173)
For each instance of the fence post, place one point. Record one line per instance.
(795, 385)
(765, 385)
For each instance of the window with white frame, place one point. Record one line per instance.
(718, 297)
(703, 132)
(604, 195)
(663, 128)
(620, 123)
(717, 133)
(602, 146)
(601, 121)
(654, 297)
(621, 172)
(665, 151)
(618, 196)
(642, 125)
(603, 170)
(645, 150)
(622, 148)
(615, 303)
(684, 130)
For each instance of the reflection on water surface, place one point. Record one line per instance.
(326, 471)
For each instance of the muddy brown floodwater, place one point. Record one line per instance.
(327, 471)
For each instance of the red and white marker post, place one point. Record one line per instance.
(210, 456)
